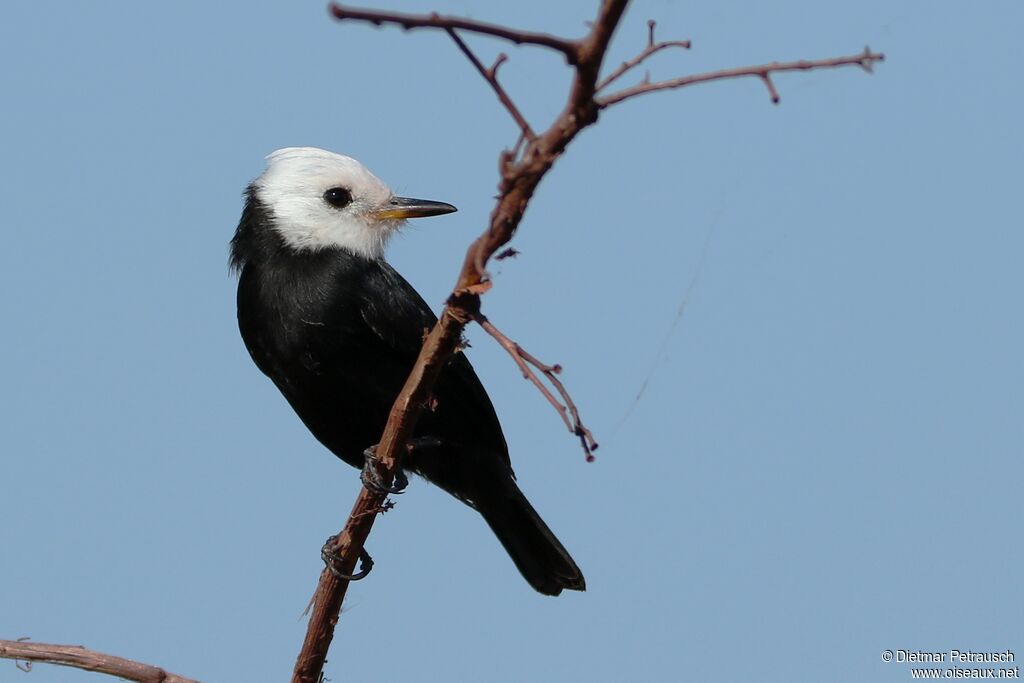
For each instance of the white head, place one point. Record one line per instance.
(322, 200)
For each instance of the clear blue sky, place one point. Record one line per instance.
(826, 462)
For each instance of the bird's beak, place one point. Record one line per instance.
(404, 207)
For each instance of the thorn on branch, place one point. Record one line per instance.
(527, 363)
(493, 71)
(772, 92)
(651, 23)
(868, 59)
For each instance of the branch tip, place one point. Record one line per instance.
(772, 92)
(25, 654)
(501, 59)
(865, 60)
(527, 363)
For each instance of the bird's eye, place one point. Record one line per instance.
(338, 197)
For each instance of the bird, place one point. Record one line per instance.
(338, 330)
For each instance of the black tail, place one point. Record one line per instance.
(540, 557)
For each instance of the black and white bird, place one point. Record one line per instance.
(337, 329)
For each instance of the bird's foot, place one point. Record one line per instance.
(330, 557)
(372, 478)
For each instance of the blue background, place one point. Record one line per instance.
(825, 462)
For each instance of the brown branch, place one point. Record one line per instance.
(651, 49)
(79, 657)
(520, 179)
(864, 60)
(522, 170)
(566, 407)
(330, 591)
(491, 76)
(435, 20)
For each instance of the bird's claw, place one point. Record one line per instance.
(372, 479)
(330, 556)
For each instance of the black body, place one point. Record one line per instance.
(338, 334)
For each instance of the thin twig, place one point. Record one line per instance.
(864, 60)
(435, 20)
(491, 76)
(772, 92)
(652, 48)
(566, 407)
(78, 657)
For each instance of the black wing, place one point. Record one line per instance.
(463, 415)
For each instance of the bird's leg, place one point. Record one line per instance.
(329, 555)
(370, 476)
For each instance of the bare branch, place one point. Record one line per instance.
(435, 20)
(651, 49)
(491, 76)
(330, 591)
(520, 178)
(79, 657)
(864, 60)
(522, 170)
(566, 408)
